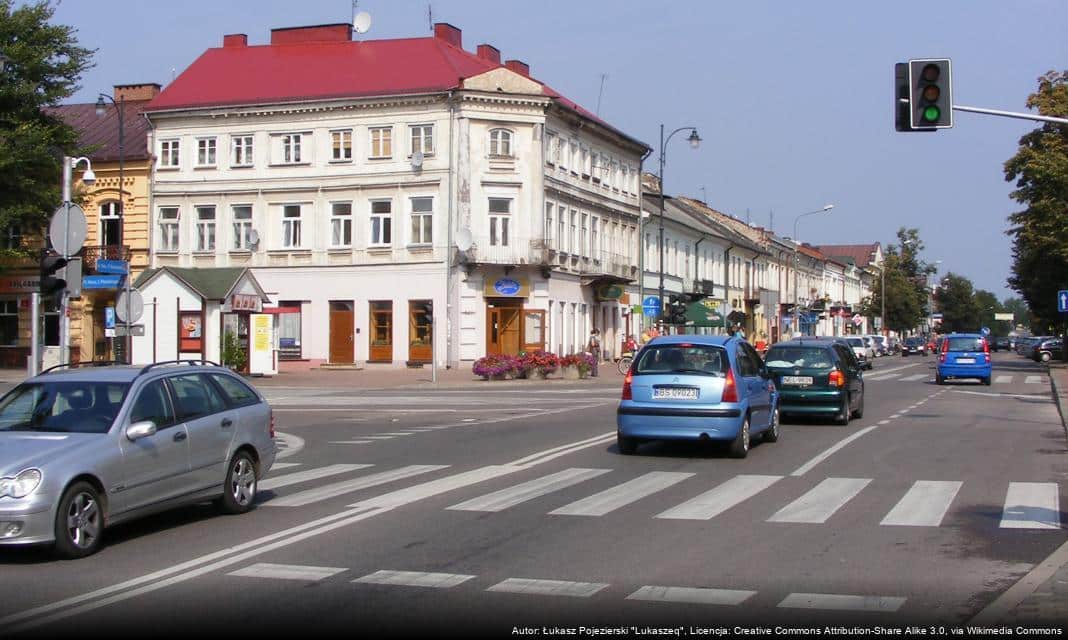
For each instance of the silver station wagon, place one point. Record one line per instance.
(83, 448)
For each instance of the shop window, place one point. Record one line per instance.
(289, 330)
(9, 323)
(190, 332)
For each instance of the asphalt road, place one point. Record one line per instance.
(489, 511)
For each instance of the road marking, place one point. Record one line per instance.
(1033, 380)
(1003, 379)
(287, 445)
(820, 503)
(808, 466)
(351, 441)
(712, 503)
(432, 488)
(340, 488)
(505, 498)
(841, 603)
(284, 465)
(396, 433)
(378, 437)
(884, 422)
(415, 579)
(918, 376)
(995, 394)
(1031, 505)
(622, 495)
(548, 587)
(311, 474)
(875, 377)
(287, 572)
(563, 450)
(924, 505)
(728, 597)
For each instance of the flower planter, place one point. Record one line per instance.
(535, 374)
(571, 372)
(499, 376)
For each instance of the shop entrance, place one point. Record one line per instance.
(503, 327)
(342, 323)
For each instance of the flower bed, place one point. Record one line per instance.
(582, 363)
(496, 366)
(538, 364)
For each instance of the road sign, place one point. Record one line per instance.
(68, 238)
(101, 282)
(120, 267)
(109, 317)
(133, 330)
(857, 319)
(985, 331)
(651, 306)
(1004, 316)
(134, 303)
(1062, 301)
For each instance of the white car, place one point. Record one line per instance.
(878, 343)
(862, 349)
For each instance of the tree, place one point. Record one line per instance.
(1019, 310)
(960, 311)
(44, 64)
(987, 304)
(1040, 169)
(906, 284)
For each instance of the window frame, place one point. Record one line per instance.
(427, 134)
(425, 222)
(203, 223)
(240, 239)
(112, 216)
(499, 220)
(499, 136)
(163, 223)
(340, 152)
(242, 146)
(345, 220)
(207, 152)
(386, 140)
(170, 153)
(292, 240)
(385, 229)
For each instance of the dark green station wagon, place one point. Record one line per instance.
(817, 377)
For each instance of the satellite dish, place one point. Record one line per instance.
(463, 239)
(417, 159)
(362, 22)
(253, 237)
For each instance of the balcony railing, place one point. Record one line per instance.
(483, 251)
(103, 252)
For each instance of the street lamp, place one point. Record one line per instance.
(120, 107)
(695, 141)
(797, 302)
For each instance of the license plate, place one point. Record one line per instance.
(965, 360)
(675, 393)
(797, 379)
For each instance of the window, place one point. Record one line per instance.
(154, 405)
(289, 330)
(422, 220)
(195, 396)
(110, 224)
(500, 143)
(242, 226)
(585, 163)
(549, 222)
(241, 151)
(583, 247)
(291, 148)
(550, 148)
(168, 228)
(341, 145)
(12, 237)
(381, 223)
(205, 152)
(168, 156)
(341, 224)
(205, 228)
(573, 245)
(381, 142)
(594, 247)
(291, 226)
(236, 392)
(9, 323)
(422, 139)
(500, 210)
(561, 238)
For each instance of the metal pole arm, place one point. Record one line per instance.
(1011, 114)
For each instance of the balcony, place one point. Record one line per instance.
(103, 252)
(606, 263)
(483, 251)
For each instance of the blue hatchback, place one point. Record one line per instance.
(697, 388)
(964, 355)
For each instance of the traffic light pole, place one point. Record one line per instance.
(64, 319)
(1011, 114)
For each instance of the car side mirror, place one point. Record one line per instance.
(139, 430)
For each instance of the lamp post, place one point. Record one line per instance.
(695, 141)
(120, 107)
(797, 302)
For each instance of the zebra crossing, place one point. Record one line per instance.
(930, 376)
(926, 503)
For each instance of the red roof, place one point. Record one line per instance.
(861, 254)
(102, 132)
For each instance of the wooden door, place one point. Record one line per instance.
(342, 331)
(420, 331)
(504, 330)
(381, 335)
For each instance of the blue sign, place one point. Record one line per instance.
(119, 267)
(506, 287)
(101, 282)
(651, 306)
(109, 317)
(985, 331)
(1062, 301)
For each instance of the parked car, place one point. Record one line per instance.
(817, 376)
(1046, 350)
(697, 388)
(84, 448)
(894, 344)
(912, 345)
(1001, 343)
(878, 344)
(861, 350)
(964, 355)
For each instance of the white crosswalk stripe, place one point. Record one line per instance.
(1033, 380)
(340, 488)
(822, 502)
(311, 474)
(918, 376)
(924, 505)
(1032, 505)
(1003, 379)
(712, 503)
(500, 500)
(881, 376)
(622, 495)
(415, 579)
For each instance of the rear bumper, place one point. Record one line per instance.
(964, 371)
(824, 402)
(670, 423)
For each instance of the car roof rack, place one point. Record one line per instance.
(192, 363)
(86, 363)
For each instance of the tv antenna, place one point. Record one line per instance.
(604, 76)
(361, 22)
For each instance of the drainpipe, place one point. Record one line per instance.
(726, 281)
(641, 242)
(448, 246)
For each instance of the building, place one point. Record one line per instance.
(398, 201)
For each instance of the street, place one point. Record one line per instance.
(487, 510)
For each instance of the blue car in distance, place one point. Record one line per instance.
(964, 355)
(700, 388)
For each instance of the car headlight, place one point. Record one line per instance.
(21, 485)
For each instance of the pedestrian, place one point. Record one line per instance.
(594, 347)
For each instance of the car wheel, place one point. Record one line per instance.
(843, 414)
(1046, 356)
(740, 444)
(79, 523)
(986, 381)
(859, 413)
(627, 446)
(240, 488)
(772, 432)
(939, 379)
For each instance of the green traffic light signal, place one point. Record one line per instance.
(931, 114)
(930, 94)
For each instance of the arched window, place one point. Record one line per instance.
(110, 224)
(500, 143)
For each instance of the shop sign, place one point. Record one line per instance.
(244, 302)
(516, 287)
(20, 284)
(609, 292)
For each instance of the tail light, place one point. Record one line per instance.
(627, 393)
(837, 378)
(730, 389)
(945, 348)
(986, 349)
(272, 423)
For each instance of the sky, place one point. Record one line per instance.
(793, 100)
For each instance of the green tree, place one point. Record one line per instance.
(1019, 310)
(906, 284)
(43, 66)
(987, 305)
(956, 299)
(1040, 169)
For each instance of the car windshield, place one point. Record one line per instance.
(964, 344)
(683, 358)
(913, 342)
(798, 357)
(67, 407)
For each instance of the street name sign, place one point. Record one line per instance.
(114, 267)
(101, 282)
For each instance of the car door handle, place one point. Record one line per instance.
(181, 435)
(226, 422)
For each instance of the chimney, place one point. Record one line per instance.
(130, 92)
(317, 33)
(519, 67)
(235, 40)
(489, 53)
(449, 33)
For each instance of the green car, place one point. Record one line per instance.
(817, 377)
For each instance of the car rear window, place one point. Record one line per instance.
(964, 344)
(698, 359)
(799, 357)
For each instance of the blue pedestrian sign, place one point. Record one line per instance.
(109, 317)
(114, 267)
(651, 307)
(985, 331)
(1062, 301)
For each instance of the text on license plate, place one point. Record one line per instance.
(966, 360)
(797, 379)
(676, 393)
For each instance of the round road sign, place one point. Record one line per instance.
(68, 229)
(136, 306)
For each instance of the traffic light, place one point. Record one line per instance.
(930, 87)
(676, 309)
(50, 284)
